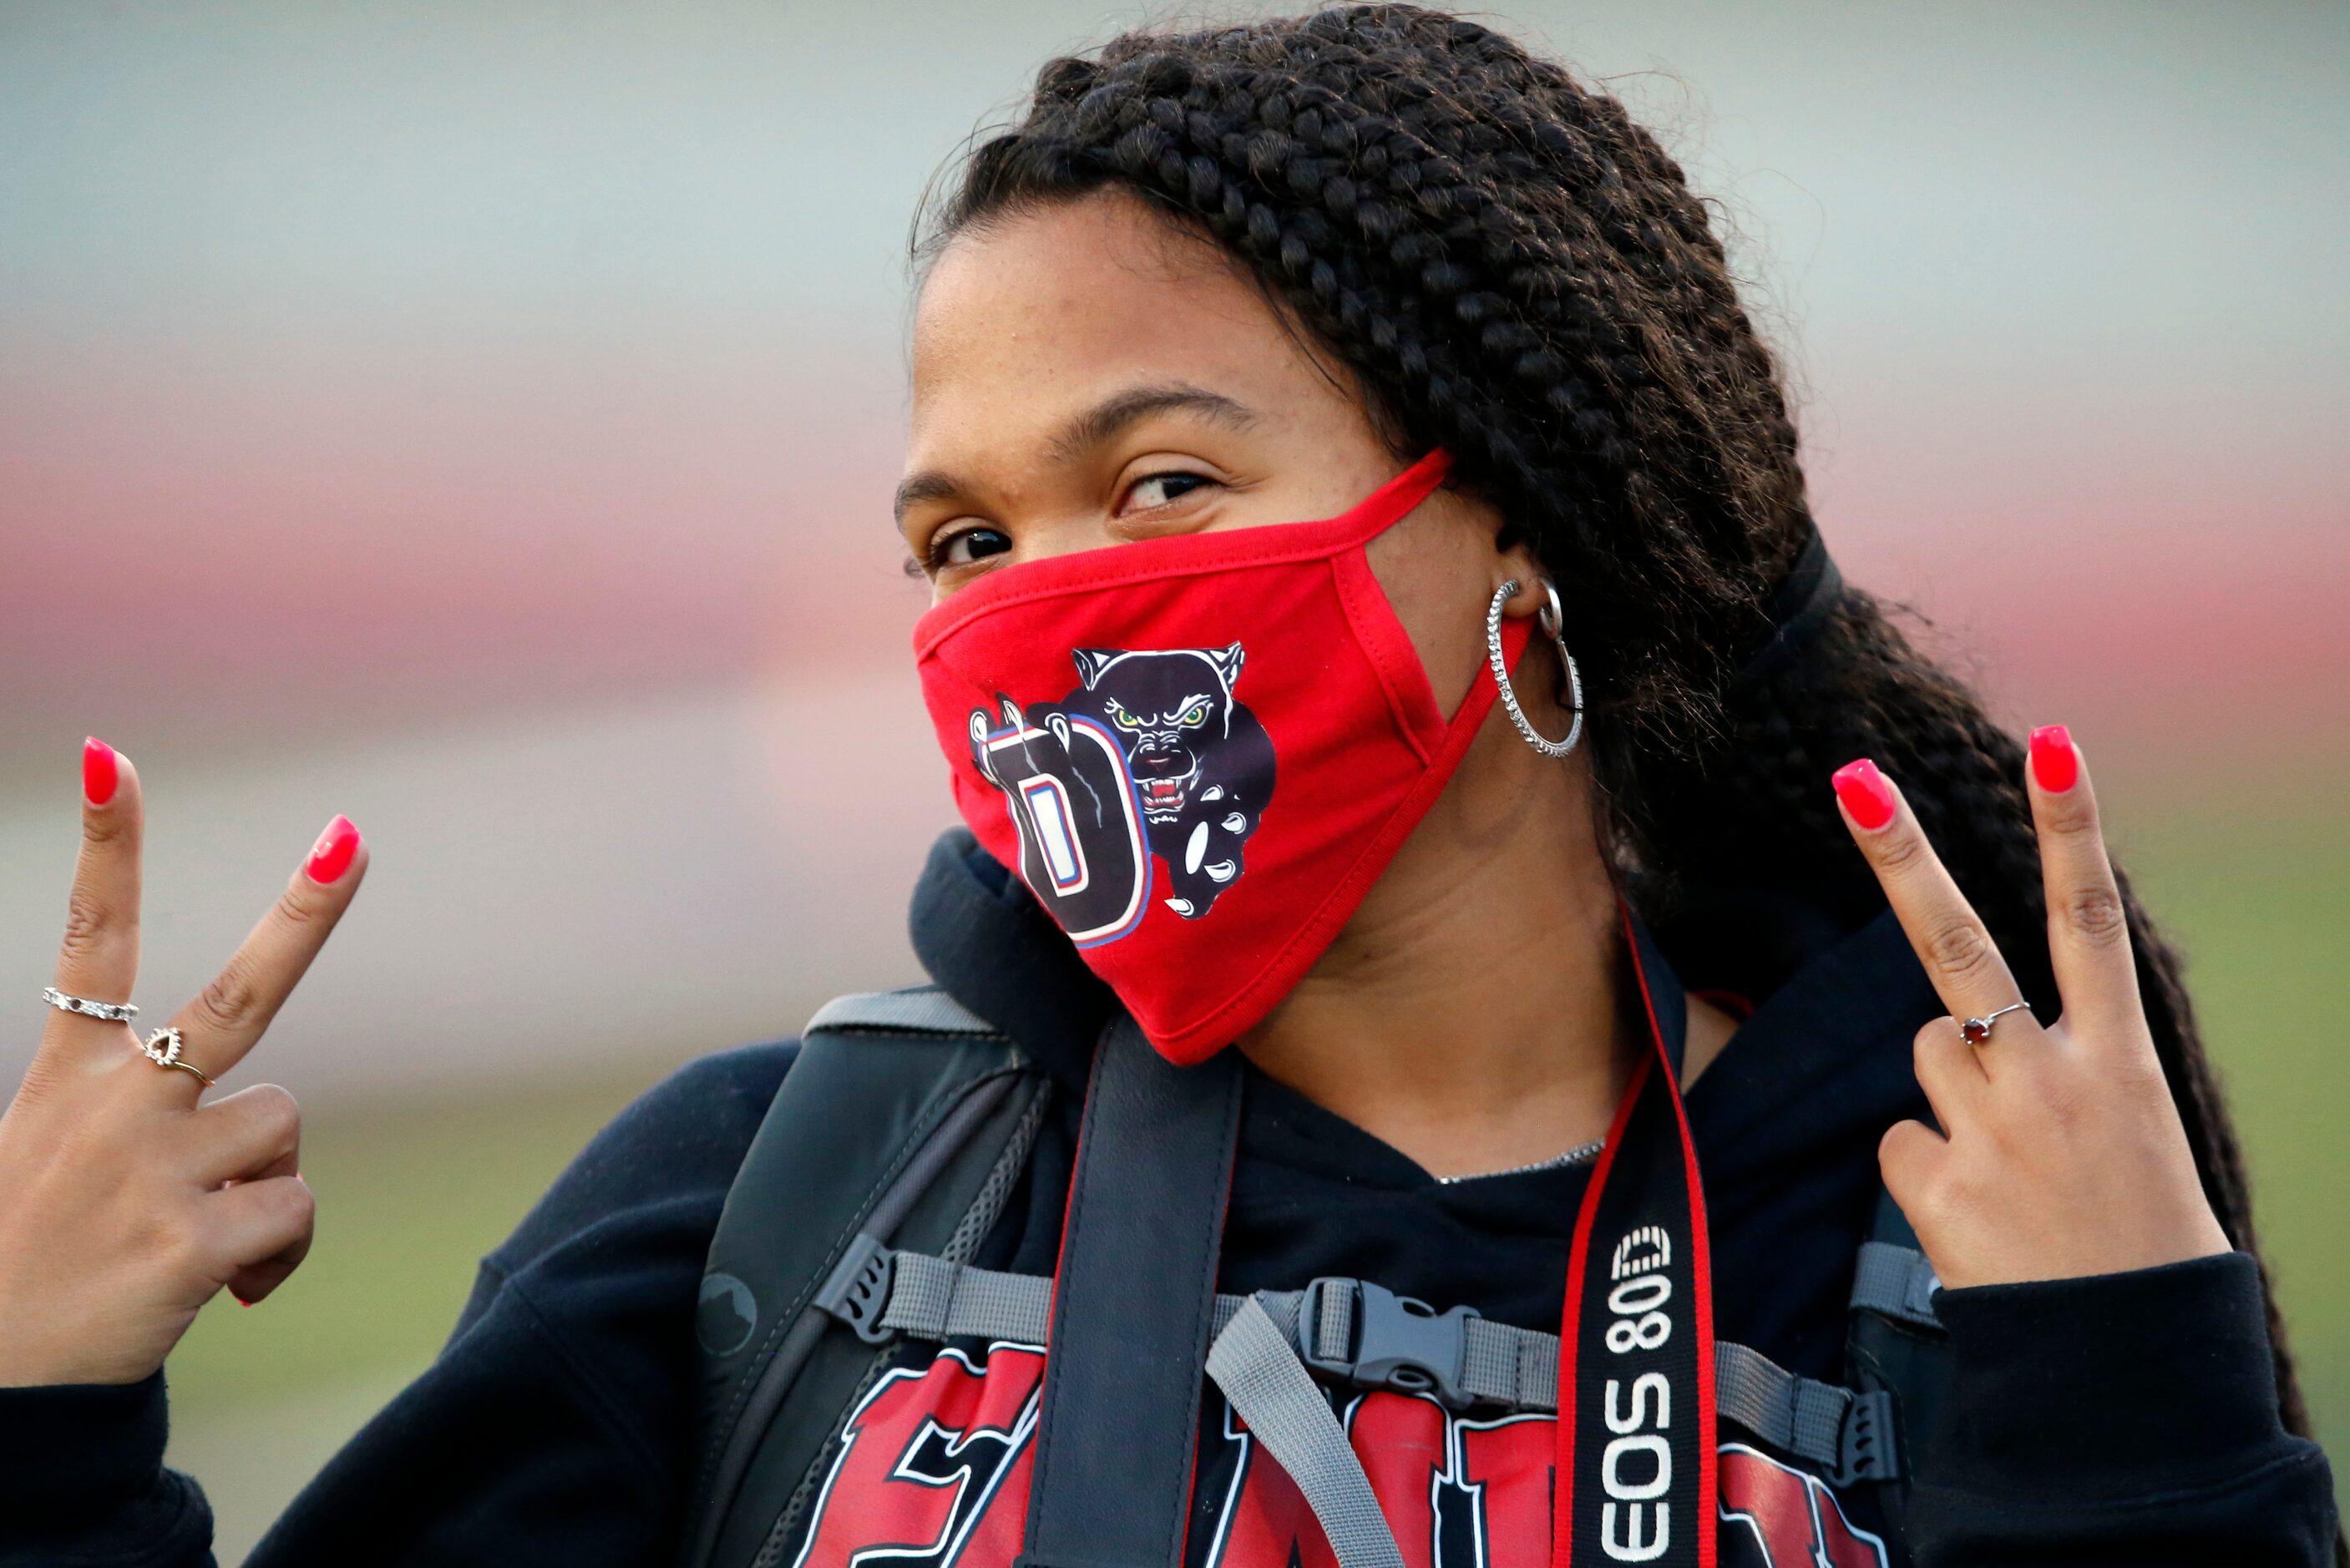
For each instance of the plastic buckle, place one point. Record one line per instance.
(1394, 1342)
(856, 1292)
(1866, 1447)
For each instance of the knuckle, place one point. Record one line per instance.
(1901, 850)
(229, 1003)
(1925, 1198)
(298, 1208)
(1910, 1156)
(2095, 917)
(90, 922)
(103, 830)
(1960, 949)
(1956, 1192)
(1928, 1055)
(2071, 813)
(2068, 1110)
(303, 904)
(277, 1115)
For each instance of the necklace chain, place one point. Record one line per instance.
(1575, 1156)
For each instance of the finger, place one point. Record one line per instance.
(249, 1135)
(99, 959)
(252, 1281)
(252, 1285)
(257, 1229)
(231, 1012)
(1909, 1155)
(1961, 959)
(1951, 1072)
(2088, 932)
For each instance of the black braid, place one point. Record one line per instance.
(1517, 272)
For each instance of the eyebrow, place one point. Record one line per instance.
(1093, 427)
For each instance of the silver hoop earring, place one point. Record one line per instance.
(1549, 619)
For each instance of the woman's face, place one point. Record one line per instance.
(1087, 375)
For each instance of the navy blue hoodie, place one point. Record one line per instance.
(2123, 1418)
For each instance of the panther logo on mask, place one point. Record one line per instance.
(1151, 754)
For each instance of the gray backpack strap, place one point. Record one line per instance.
(1850, 1436)
(1897, 1281)
(1366, 1335)
(1350, 1331)
(1256, 1367)
(895, 1121)
(1361, 1335)
(936, 1299)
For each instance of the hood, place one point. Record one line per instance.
(982, 937)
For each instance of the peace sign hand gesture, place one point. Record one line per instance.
(2061, 1153)
(128, 1202)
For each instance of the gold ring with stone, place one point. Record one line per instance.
(162, 1048)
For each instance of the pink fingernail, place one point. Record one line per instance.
(100, 771)
(1867, 797)
(2056, 764)
(332, 854)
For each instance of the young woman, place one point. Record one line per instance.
(1439, 829)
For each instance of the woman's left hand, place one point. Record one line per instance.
(2061, 1152)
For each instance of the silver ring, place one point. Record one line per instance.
(113, 1012)
(162, 1048)
(1550, 618)
(1975, 1031)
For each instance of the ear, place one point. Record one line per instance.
(1012, 718)
(1091, 662)
(1519, 563)
(1227, 661)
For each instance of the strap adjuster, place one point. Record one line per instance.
(1866, 1447)
(1366, 1335)
(856, 1292)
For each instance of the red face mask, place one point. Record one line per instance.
(1200, 751)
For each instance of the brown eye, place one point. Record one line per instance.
(966, 545)
(1164, 488)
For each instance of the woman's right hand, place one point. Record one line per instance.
(127, 1203)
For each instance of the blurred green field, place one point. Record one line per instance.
(411, 1196)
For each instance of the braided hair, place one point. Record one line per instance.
(1516, 272)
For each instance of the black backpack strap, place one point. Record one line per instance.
(1133, 1301)
(892, 1122)
(1895, 1349)
(923, 1010)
